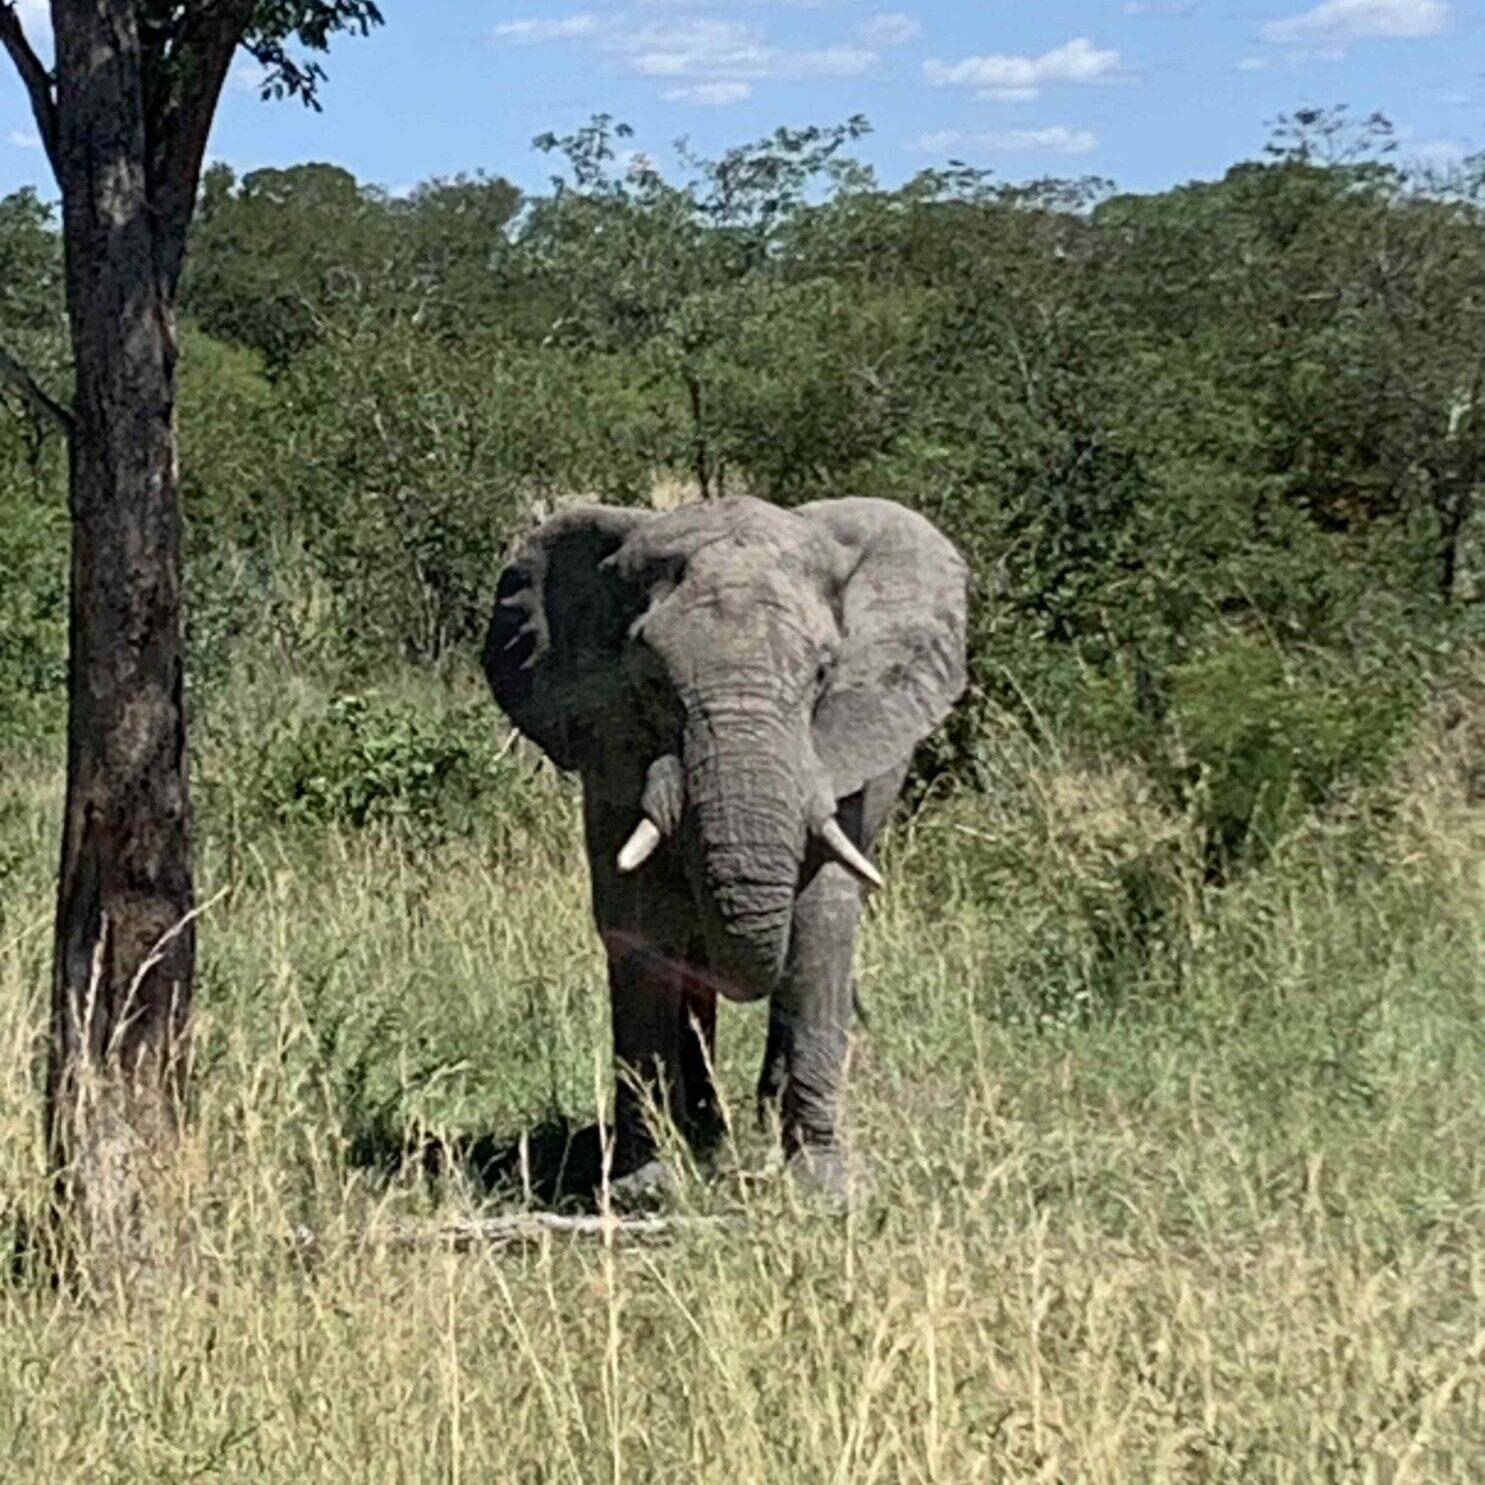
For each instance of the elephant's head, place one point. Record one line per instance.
(746, 667)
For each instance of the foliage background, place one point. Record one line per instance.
(1175, 1066)
(1214, 454)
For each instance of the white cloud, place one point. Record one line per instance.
(24, 139)
(565, 28)
(1012, 78)
(694, 45)
(708, 49)
(717, 94)
(1353, 20)
(892, 28)
(1053, 139)
(837, 61)
(702, 47)
(1251, 64)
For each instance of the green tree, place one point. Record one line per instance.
(33, 324)
(449, 266)
(124, 118)
(654, 268)
(281, 259)
(282, 254)
(33, 521)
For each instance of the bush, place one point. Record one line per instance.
(1255, 741)
(33, 610)
(1090, 880)
(408, 463)
(366, 762)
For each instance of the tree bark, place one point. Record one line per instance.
(700, 462)
(1451, 501)
(124, 952)
(124, 118)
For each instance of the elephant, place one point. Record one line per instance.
(741, 687)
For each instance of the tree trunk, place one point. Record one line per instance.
(124, 951)
(1452, 507)
(700, 463)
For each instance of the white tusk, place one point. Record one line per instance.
(640, 846)
(840, 845)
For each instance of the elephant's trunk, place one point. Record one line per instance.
(746, 803)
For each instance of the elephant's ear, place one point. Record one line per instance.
(553, 649)
(901, 665)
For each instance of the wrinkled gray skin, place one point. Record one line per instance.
(739, 675)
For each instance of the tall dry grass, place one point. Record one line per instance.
(1171, 1186)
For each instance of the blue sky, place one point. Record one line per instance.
(1148, 92)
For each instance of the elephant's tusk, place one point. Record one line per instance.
(844, 850)
(640, 846)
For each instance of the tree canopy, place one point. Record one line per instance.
(1199, 444)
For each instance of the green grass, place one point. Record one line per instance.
(1172, 1185)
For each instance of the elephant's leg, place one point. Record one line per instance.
(665, 1047)
(811, 1011)
(809, 1021)
(646, 997)
(775, 1071)
(700, 1108)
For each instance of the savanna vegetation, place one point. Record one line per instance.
(1179, 970)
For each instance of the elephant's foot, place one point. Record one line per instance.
(823, 1172)
(705, 1132)
(651, 1185)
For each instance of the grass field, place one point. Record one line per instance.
(1171, 1185)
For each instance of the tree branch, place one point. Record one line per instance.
(37, 80)
(209, 34)
(523, 1228)
(17, 376)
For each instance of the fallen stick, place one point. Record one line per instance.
(525, 1228)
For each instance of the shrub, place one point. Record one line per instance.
(33, 611)
(366, 761)
(1255, 740)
